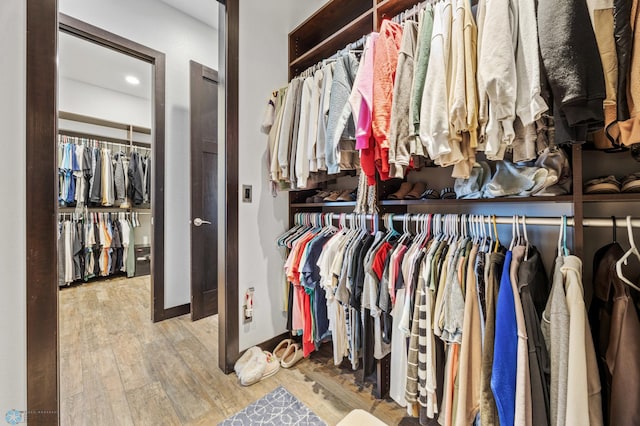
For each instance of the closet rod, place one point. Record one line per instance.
(508, 220)
(544, 221)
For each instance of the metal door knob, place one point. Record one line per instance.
(199, 222)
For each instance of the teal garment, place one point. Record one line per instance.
(421, 62)
(131, 253)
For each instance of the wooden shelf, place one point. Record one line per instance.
(611, 198)
(362, 25)
(327, 204)
(328, 20)
(462, 202)
(99, 138)
(390, 8)
(100, 122)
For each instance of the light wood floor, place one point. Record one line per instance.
(117, 368)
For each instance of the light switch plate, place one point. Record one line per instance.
(247, 193)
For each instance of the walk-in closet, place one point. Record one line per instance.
(461, 210)
(340, 212)
(104, 163)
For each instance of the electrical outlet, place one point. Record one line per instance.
(247, 307)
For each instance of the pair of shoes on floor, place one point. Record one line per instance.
(409, 191)
(255, 365)
(288, 352)
(611, 185)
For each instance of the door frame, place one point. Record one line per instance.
(156, 59)
(41, 181)
(198, 72)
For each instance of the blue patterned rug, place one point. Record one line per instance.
(278, 408)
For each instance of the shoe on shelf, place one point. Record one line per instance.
(416, 191)
(346, 195)
(448, 194)
(319, 197)
(293, 354)
(602, 185)
(631, 183)
(430, 194)
(404, 189)
(332, 197)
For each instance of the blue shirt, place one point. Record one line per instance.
(505, 357)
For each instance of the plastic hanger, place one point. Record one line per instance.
(495, 231)
(615, 229)
(624, 259)
(564, 236)
(562, 243)
(526, 238)
(514, 219)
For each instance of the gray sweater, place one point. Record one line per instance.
(340, 124)
(401, 131)
(555, 329)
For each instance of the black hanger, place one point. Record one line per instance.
(615, 227)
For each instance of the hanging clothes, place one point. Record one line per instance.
(616, 334)
(95, 245)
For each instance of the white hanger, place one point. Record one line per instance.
(514, 219)
(625, 257)
(526, 237)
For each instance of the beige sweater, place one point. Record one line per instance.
(470, 350)
(630, 129)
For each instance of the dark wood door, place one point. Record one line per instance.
(204, 191)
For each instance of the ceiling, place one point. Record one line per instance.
(205, 11)
(89, 63)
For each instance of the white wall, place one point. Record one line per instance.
(261, 262)
(181, 38)
(13, 351)
(86, 99)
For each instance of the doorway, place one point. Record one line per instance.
(203, 83)
(111, 95)
(41, 134)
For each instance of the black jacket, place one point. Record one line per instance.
(573, 67)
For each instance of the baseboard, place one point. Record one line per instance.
(270, 344)
(176, 311)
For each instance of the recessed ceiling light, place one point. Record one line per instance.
(132, 80)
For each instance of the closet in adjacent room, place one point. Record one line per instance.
(104, 163)
(422, 145)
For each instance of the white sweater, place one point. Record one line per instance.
(314, 107)
(497, 68)
(434, 110)
(302, 158)
(529, 104)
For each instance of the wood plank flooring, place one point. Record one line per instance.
(117, 368)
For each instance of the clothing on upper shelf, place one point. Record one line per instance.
(97, 245)
(466, 327)
(92, 176)
(446, 84)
